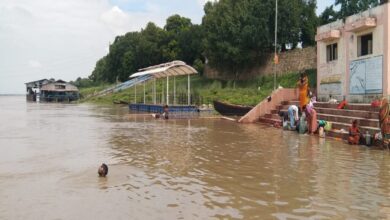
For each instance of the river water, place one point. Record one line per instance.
(177, 169)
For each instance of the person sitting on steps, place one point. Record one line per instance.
(354, 133)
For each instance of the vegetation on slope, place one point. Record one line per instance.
(204, 91)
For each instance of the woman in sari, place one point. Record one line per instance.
(303, 85)
(384, 120)
(311, 117)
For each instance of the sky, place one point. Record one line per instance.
(63, 39)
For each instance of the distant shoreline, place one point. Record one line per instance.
(11, 94)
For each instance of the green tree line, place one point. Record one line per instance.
(347, 8)
(233, 35)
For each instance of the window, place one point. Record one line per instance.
(331, 52)
(365, 45)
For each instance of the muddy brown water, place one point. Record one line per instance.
(177, 169)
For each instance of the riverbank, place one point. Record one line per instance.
(203, 90)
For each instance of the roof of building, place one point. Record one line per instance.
(36, 81)
(59, 87)
(175, 68)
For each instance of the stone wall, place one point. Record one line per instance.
(292, 61)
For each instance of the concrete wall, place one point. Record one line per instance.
(292, 61)
(334, 77)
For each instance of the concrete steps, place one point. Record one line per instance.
(342, 112)
(348, 119)
(341, 119)
(354, 107)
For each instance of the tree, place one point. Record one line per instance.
(151, 46)
(236, 33)
(100, 72)
(328, 15)
(310, 22)
(350, 7)
(234, 36)
(176, 23)
(289, 23)
(190, 42)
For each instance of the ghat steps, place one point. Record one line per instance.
(341, 119)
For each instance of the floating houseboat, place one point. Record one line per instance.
(45, 90)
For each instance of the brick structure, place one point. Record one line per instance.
(291, 61)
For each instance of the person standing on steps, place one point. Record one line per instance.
(303, 85)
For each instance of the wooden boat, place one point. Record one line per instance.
(120, 102)
(230, 109)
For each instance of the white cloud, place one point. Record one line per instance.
(64, 39)
(117, 20)
(203, 2)
(34, 64)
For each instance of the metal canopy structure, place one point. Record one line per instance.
(174, 68)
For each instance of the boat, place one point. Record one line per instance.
(120, 102)
(230, 109)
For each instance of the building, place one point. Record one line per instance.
(353, 56)
(33, 89)
(51, 91)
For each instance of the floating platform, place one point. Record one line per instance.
(160, 108)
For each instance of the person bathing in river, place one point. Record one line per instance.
(311, 118)
(103, 170)
(293, 115)
(165, 112)
(303, 85)
(354, 133)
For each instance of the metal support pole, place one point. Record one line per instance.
(135, 94)
(162, 93)
(154, 90)
(189, 90)
(276, 40)
(144, 94)
(174, 90)
(167, 90)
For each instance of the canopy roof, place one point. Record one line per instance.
(175, 68)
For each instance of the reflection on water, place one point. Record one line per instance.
(177, 169)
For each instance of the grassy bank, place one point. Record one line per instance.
(203, 91)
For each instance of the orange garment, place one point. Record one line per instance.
(312, 121)
(354, 135)
(303, 88)
(384, 119)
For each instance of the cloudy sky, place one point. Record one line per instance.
(63, 39)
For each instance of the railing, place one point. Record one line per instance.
(125, 85)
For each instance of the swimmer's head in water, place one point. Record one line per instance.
(103, 170)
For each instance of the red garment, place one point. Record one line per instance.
(375, 103)
(312, 121)
(342, 104)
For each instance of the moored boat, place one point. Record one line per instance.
(231, 109)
